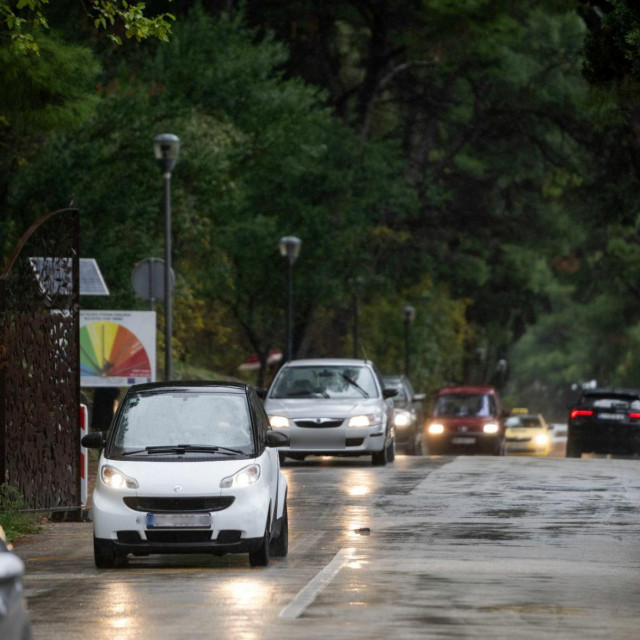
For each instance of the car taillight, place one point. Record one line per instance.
(581, 413)
(634, 416)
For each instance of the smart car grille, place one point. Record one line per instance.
(204, 503)
(178, 536)
(319, 423)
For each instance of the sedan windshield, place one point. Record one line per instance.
(178, 420)
(346, 382)
(463, 404)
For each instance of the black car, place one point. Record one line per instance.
(408, 414)
(605, 421)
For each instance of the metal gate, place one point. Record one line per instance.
(39, 364)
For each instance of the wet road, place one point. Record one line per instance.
(468, 547)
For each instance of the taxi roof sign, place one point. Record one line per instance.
(519, 411)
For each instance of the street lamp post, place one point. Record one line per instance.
(356, 288)
(166, 148)
(409, 314)
(290, 249)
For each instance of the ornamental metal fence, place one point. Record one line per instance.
(40, 364)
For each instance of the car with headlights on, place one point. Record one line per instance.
(466, 419)
(332, 407)
(14, 619)
(604, 421)
(527, 434)
(189, 467)
(408, 414)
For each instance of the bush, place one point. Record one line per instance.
(14, 518)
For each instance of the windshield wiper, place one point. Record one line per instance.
(183, 448)
(353, 383)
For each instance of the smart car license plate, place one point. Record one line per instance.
(178, 520)
(463, 440)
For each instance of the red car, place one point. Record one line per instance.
(467, 419)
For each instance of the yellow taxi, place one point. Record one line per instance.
(527, 434)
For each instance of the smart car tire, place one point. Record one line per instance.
(260, 557)
(105, 555)
(280, 544)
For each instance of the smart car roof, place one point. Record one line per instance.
(311, 362)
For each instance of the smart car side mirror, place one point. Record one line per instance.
(94, 440)
(275, 439)
(389, 393)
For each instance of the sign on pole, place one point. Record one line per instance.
(117, 348)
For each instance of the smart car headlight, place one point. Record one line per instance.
(365, 420)
(435, 428)
(491, 427)
(402, 418)
(278, 422)
(243, 478)
(115, 479)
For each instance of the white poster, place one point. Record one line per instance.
(117, 348)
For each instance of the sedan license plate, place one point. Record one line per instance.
(178, 520)
(463, 440)
(612, 416)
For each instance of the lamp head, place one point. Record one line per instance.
(290, 248)
(409, 313)
(166, 148)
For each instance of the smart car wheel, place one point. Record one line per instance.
(105, 555)
(280, 544)
(260, 557)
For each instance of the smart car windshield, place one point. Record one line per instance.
(467, 404)
(324, 381)
(179, 420)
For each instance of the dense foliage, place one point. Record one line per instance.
(477, 160)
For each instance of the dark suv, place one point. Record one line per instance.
(408, 414)
(605, 421)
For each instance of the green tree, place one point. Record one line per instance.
(23, 22)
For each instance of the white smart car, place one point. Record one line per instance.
(332, 406)
(189, 467)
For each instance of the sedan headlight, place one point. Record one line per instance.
(402, 418)
(541, 439)
(491, 427)
(278, 422)
(115, 479)
(435, 428)
(365, 420)
(243, 478)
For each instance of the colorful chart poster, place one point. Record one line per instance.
(117, 348)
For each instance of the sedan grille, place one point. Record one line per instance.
(204, 503)
(319, 423)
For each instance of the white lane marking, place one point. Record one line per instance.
(308, 594)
